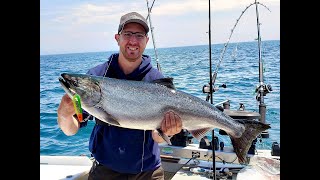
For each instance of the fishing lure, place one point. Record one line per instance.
(77, 107)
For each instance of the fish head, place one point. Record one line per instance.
(87, 87)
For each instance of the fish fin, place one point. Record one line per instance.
(109, 121)
(168, 82)
(107, 118)
(199, 133)
(242, 144)
(165, 137)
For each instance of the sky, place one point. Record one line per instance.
(80, 26)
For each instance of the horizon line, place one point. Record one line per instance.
(151, 48)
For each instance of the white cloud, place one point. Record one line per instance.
(90, 26)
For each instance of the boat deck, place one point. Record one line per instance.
(176, 168)
(64, 167)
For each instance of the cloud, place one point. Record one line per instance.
(66, 26)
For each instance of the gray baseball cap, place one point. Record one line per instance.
(133, 17)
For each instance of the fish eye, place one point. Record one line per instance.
(75, 83)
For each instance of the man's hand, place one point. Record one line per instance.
(66, 122)
(66, 106)
(171, 124)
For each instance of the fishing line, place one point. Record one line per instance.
(226, 44)
(144, 139)
(152, 34)
(193, 157)
(224, 161)
(105, 73)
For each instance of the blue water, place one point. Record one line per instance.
(189, 66)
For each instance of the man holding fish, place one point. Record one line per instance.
(123, 153)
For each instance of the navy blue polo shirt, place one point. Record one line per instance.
(121, 149)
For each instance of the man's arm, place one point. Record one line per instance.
(66, 122)
(170, 126)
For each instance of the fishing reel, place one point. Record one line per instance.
(206, 89)
(223, 174)
(266, 89)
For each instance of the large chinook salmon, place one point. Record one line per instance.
(142, 105)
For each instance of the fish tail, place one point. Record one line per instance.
(242, 144)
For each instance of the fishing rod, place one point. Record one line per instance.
(152, 34)
(262, 89)
(214, 76)
(211, 99)
(150, 8)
